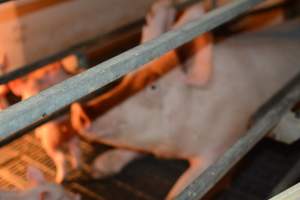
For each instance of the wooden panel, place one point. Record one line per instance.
(33, 29)
(292, 193)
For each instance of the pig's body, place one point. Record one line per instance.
(199, 124)
(57, 133)
(175, 119)
(249, 69)
(170, 118)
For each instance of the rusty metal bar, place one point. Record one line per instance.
(36, 108)
(267, 118)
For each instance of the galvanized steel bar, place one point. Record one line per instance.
(78, 49)
(267, 118)
(34, 109)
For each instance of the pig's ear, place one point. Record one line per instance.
(35, 176)
(73, 64)
(197, 59)
(16, 86)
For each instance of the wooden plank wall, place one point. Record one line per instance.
(33, 29)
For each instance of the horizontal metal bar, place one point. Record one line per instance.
(34, 109)
(78, 49)
(267, 118)
(81, 47)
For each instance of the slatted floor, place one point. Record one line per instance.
(147, 178)
(139, 180)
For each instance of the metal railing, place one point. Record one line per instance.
(29, 113)
(267, 118)
(23, 114)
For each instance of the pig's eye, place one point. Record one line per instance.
(153, 87)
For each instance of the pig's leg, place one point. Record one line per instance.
(75, 152)
(197, 166)
(59, 160)
(56, 155)
(198, 63)
(60, 163)
(49, 135)
(79, 120)
(112, 162)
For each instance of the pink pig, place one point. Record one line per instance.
(56, 133)
(171, 119)
(3, 101)
(3, 88)
(40, 189)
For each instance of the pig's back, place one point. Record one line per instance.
(173, 119)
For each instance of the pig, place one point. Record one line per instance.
(255, 19)
(3, 88)
(171, 118)
(3, 100)
(57, 133)
(40, 189)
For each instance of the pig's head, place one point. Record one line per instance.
(158, 20)
(43, 190)
(36, 81)
(24, 87)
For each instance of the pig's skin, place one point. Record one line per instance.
(40, 190)
(3, 101)
(56, 133)
(248, 69)
(3, 88)
(152, 121)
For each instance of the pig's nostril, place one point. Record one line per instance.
(153, 87)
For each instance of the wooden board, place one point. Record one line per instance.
(33, 29)
(292, 193)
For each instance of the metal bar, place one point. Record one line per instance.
(80, 48)
(267, 118)
(34, 109)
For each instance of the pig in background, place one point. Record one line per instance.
(3, 88)
(40, 189)
(171, 119)
(56, 135)
(3, 99)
